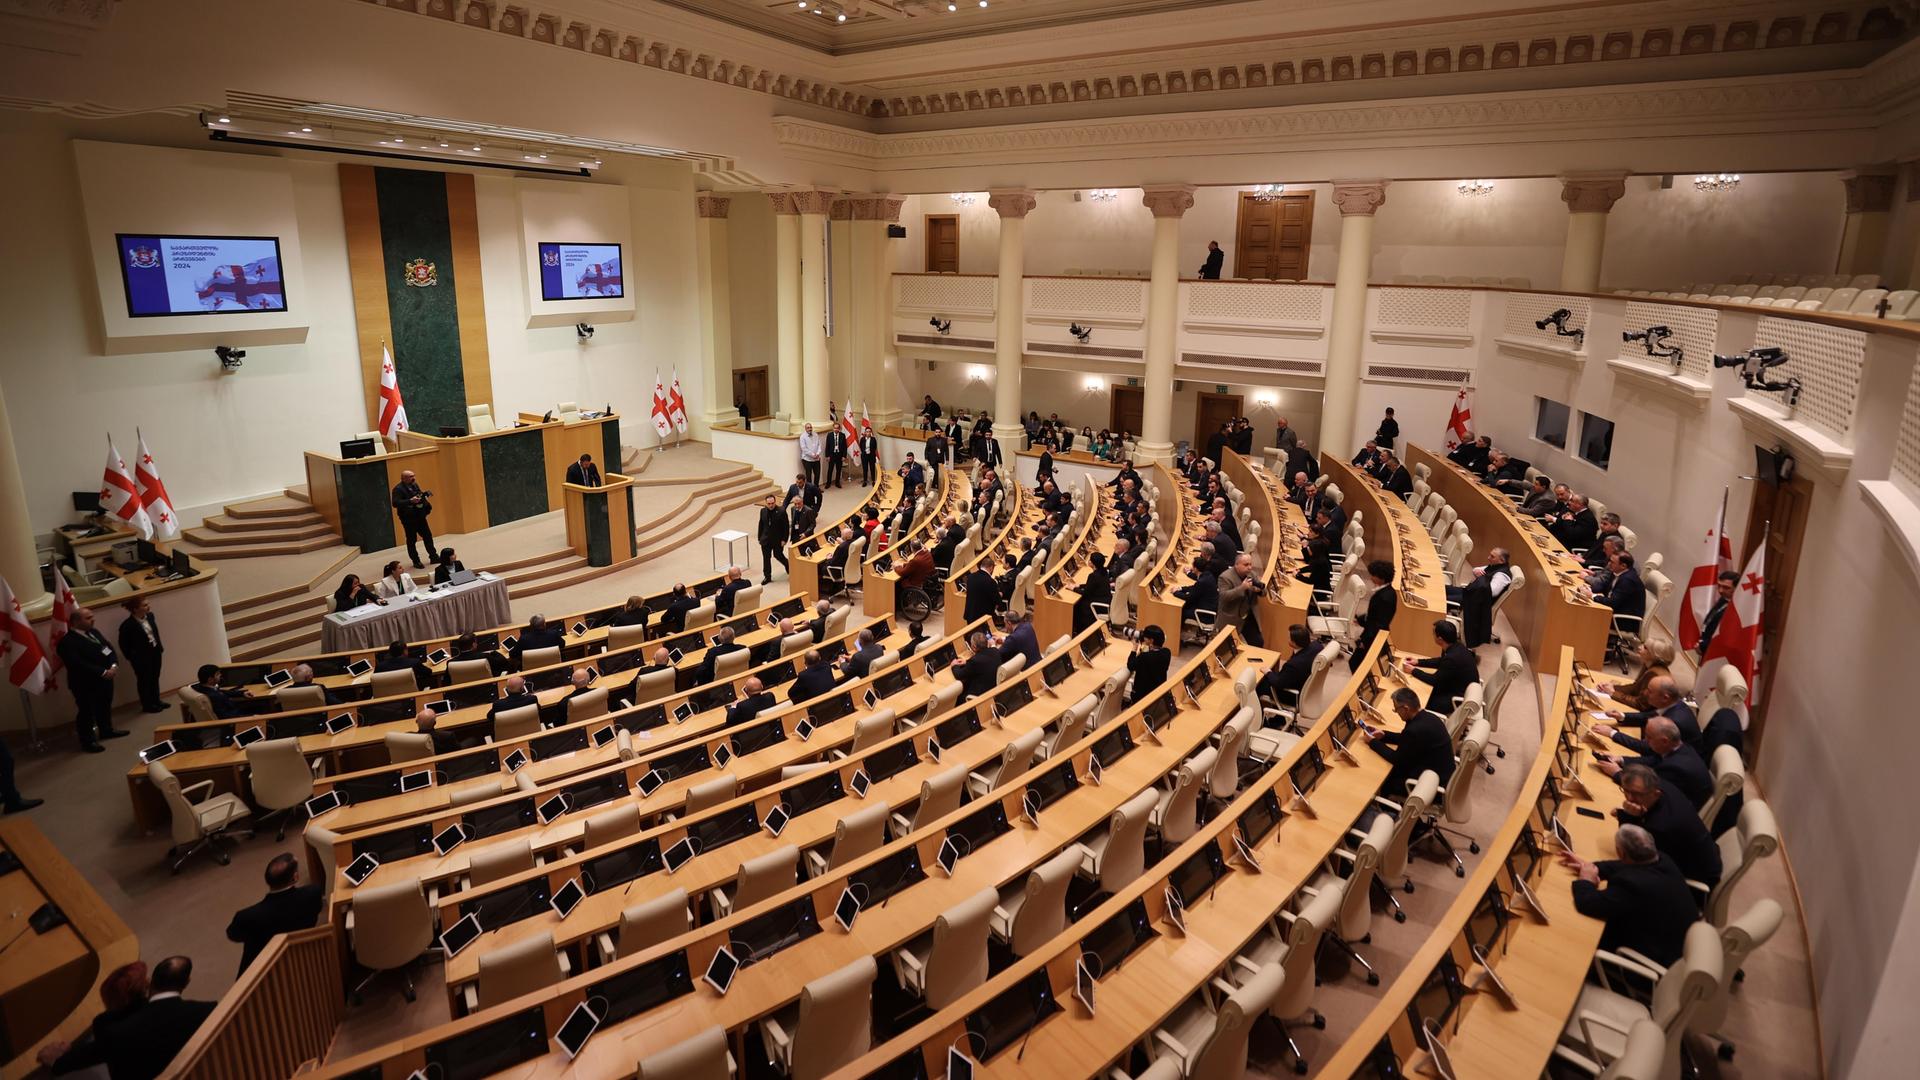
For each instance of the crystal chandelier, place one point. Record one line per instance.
(1267, 192)
(1474, 189)
(1717, 182)
(965, 198)
(1104, 194)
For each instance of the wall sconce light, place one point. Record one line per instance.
(1082, 334)
(1094, 386)
(1475, 189)
(976, 374)
(1267, 192)
(964, 198)
(1266, 401)
(1103, 194)
(940, 325)
(1717, 182)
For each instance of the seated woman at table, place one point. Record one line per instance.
(1656, 658)
(352, 594)
(394, 582)
(448, 564)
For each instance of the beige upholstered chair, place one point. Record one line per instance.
(624, 637)
(320, 847)
(379, 443)
(727, 666)
(1032, 911)
(296, 698)
(280, 777)
(709, 794)
(516, 723)
(473, 793)
(407, 746)
(512, 970)
(653, 686)
(1754, 838)
(759, 878)
(609, 825)
(868, 731)
(1118, 854)
(587, 706)
(461, 672)
(703, 1057)
(1176, 814)
(939, 796)
(702, 614)
(480, 420)
(1015, 758)
(1292, 940)
(539, 658)
(1223, 782)
(199, 709)
(567, 412)
(1602, 1017)
(830, 1026)
(393, 683)
(496, 861)
(1729, 777)
(1354, 922)
(941, 966)
(200, 819)
(391, 926)
(1212, 1042)
(1409, 812)
(643, 926)
(853, 836)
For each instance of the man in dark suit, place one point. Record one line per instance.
(818, 626)
(288, 906)
(1097, 588)
(860, 661)
(1366, 457)
(769, 650)
(1472, 454)
(723, 644)
(869, 445)
(662, 660)
(512, 696)
(1388, 431)
(836, 454)
(1477, 596)
(1505, 472)
(584, 472)
(981, 671)
(1627, 595)
(929, 412)
(983, 593)
(1210, 270)
(1021, 638)
(723, 600)
(936, 451)
(411, 504)
(229, 704)
(680, 601)
(1723, 588)
(1422, 745)
(1451, 671)
(1646, 905)
(1662, 751)
(1663, 697)
(1284, 681)
(1398, 480)
(753, 700)
(1663, 810)
(815, 679)
(1576, 528)
(537, 635)
(1203, 594)
(155, 1032)
(801, 520)
(956, 441)
(806, 491)
(1381, 608)
(913, 474)
(397, 658)
(91, 665)
(140, 643)
(1148, 664)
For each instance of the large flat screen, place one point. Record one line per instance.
(580, 272)
(201, 275)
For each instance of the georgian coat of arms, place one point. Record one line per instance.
(422, 273)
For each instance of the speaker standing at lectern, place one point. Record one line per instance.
(584, 472)
(411, 504)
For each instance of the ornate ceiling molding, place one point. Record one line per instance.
(712, 206)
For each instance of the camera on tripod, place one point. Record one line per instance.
(1558, 320)
(1754, 364)
(1654, 339)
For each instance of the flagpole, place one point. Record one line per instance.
(35, 744)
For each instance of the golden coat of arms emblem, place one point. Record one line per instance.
(422, 273)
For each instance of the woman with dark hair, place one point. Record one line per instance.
(394, 582)
(449, 563)
(351, 594)
(1097, 589)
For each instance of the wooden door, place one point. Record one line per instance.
(750, 386)
(1209, 412)
(1777, 518)
(943, 243)
(1129, 403)
(1273, 238)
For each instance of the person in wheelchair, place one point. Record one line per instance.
(914, 575)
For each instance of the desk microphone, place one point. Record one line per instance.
(1031, 1028)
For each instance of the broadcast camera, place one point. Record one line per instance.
(1753, 365)
(1558, 320)
(1654, 339)
(1082, 334)
(940, 325)
(583, 331)
(230, 357)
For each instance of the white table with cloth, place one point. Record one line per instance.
(480, 604)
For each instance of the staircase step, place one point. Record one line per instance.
(295, 622)
(723, 490)
(293, 519)
(519, 579)
(299, 604)
(295, 643)
(575, 576)
(247, 603)
(270, 506)
(217, 539)
(696, 528)
(531, 560)
(265, 549)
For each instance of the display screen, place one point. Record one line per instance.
(580, 272)
(200, 275)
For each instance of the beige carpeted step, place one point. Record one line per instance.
(264, 548)
(291, 519)
(289, 533)
(696, 525)
(298, 605)
(270, 506)
(294, 643)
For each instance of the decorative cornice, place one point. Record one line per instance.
(1011, 202)
(712, 206)
(1359, 198)
(783, 201)
(812, 200)
(1592, 193)
(868, 208)
(1168, 200)
(1869, 190)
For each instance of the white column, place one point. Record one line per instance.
(716, 308)
(1588, 197)
(882, 381)
(1168, 202)
(1863, 237)
(19, 560)
(815, 367)
(786, 306)
(1357, 200)
(1010, 323)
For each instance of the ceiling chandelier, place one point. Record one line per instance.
(1104, 194)
(965, 198)
(1717, 182)
(1474, 189)
(1267, 192)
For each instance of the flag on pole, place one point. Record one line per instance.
(64, 605)
(677, 405)
(662, 412)
(1737, 640)
(26, 660)
(393, 411)
(1716, 556)
(1460, 422)
(153, 493)
(852, 433)
(120, 495)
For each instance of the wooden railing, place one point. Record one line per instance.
(281, 1014)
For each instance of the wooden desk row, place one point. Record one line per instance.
(1056, 591)
(1022, 516)
(1286, 600)
(954, 496)
(1180, 518)
(1394, 533)
(807, 554)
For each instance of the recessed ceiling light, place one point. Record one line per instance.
(953, 7)
(803, 5)
(543, 157)
(842, 17)
(290, 131)
(306, 131)
(397, 140)
(224, 120)
(443, 146)
(476, 149)
(983, 3)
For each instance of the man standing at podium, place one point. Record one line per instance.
(411, 504)
(583, 472)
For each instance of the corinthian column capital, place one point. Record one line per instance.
(1359, 198)
(1011, 202)
(1592, 193)
(1168, 200)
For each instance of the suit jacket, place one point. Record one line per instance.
(1628, 596)
(839, 556)
(87, 656)
(1097, 589)
(749, 707)
(152, 1034)
(1722, 729)
(1285, 684)
(914, 475)
(772, 529)
(410, 501)
(803, 520)
(509, 702)
(140, 650)
(1576, 533)
(1455, 669)
(812, 682)
(1540, 504)
(723, 600)
(1646, 908)
(979, 673)
(836, 443)
(869, 447)
(281, 912)
(227, 704)
(1388, 431)
(1235, 597)
(1470, 456)
(1683, 768)
(1210, 269)
(1202, 595)
(444, 571)
(1680, 835)
(1400, 482)
(1679, 712)
(548, 638)
(588, 477)
(1381, 607)
(861, 661)
(983, 595)
(674, 619)
(1421, 746)
(1149, 667)
(387, 587)
(1024, 640)
(714, 653)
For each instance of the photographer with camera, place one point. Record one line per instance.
(411, 504)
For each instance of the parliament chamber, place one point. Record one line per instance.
(894, 538)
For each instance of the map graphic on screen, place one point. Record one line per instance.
(580, 272)
(201, 275)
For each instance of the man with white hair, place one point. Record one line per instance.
(1645, 903)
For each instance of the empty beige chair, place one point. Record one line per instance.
(1292, 940)
(1030, 912)
(516, 723)
(512, 970)
(709, 794)
(407, 746)
(1118, 854)
(1010, 667)
(1754, 838)
(567, 412)
(201, 819)
(320, 847)
(653, 686)
(1354, 921)
(829, 1027)
(856, 834)
(1176, 812)
(466, 796)
(539, 658)
(702, 1057)
(1015, 758)
(480, 420)
(643, 926)
(497, 861)
(589, 705)
(1072, 726)
(391, 926)
(625, 637)
(467, 671)
(941, 966)
(609, 825)
(1409, 812)
(379, 444)
(1602, 1017)
(868, 732)
(726, 666)
(1840, 299)
(393, 683)
(944, 697)
(1223, 783)
(280, 777)
(1211, 1041)
(939, 796)
(296, 698)
(1643, 1058)
(758, 878)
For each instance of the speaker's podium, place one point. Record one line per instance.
(477, 480)
(600, 521)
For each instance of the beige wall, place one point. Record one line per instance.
(1781, 223)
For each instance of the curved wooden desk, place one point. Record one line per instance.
(1393, 533)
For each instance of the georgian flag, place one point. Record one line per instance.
(1737, 640)
(1460, 421)
(27, 666)
(393, 411)
(153, 493)
(1716, 556)
(662, 411)
(64, 605)
(120, 495)
(852, 433)
(677, 405)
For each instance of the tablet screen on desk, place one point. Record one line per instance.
(516, 761)
(721, 970)
(568, 897)
(441, 707)
(553, 808)
(449, 838)
(605, 735)
(164, 748)
(322, 804)
(580, 1025)
(460, 935)
(860, 783)
(682, 712)
(437, 656)
(579, 629)
(847, 909)
(338, 724)
(244, 739)
(678, 854)
(356, 669)
(776, 820)
(721, 755)
(650, 782)
(277, 679)
(803, 730)
(361, 868)
(959, 1065)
